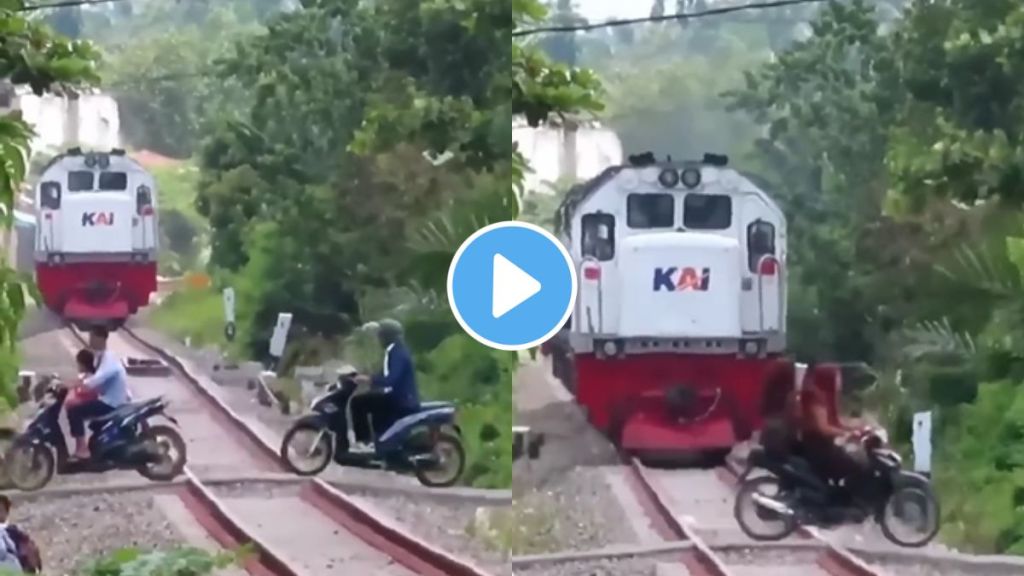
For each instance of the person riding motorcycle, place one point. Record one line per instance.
(109, 383)
(824, 443)
(394, 392)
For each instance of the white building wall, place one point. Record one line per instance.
(596, 149)
(99, 125)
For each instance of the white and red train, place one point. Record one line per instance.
(97, 237)
(678, 337)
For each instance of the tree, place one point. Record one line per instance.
(562, 48)
(960, 63)
(164, 101)
(30, 55)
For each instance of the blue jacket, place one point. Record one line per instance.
(398, 380)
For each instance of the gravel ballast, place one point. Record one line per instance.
(72, 531)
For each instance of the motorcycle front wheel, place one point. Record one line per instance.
(445, 463)
(30, 466)
(309, 441)
(169, 453)
(910, 504)
(755, 519)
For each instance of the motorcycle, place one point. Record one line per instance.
(120, 440)
(788, 494)
(426, 443)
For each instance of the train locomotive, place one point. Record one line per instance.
(677, 342)
(97, 237)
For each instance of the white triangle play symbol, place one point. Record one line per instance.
(511, 287)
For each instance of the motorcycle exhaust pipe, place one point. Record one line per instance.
(773, 505)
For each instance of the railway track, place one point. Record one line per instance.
(315, 531)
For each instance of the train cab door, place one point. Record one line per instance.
(596, 274)
(763, 307)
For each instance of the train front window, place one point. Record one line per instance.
(760, 242)
(80, 181)
(113, 182)
(598, 237)
(707, 212)
(650, 211)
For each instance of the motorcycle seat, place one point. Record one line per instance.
(125, 410)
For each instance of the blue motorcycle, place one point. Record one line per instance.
(121, 440)
(426, 443)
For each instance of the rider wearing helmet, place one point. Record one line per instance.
(394, 393)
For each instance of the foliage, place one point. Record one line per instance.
(180, 562)
(961, 64)
(162, 100)
(191, 313)
(30, 55)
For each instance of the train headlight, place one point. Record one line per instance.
(691, 177)
(668, 178)
(90, 160)
(104, 161)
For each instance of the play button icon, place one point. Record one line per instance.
(511, 285)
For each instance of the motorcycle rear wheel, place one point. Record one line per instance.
(42, 461)
(901, 497)
(168, 468)
(324, 447)
(448, 449)
(745, 504)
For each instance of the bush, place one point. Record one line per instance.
(192, 313)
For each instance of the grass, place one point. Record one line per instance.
(195, 314)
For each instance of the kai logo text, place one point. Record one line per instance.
(97, 218)
(675, 279)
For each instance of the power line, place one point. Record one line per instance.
(666, 18)
(64, 4)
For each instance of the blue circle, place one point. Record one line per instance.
(535, 252)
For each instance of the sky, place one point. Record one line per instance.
(598, 10)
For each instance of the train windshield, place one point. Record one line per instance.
(707, 212)
(650, 210)
(113, 181)
(80, 181)
(86, 181)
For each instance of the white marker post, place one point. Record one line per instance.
(922, 439)
(280, 337)
(229, 314)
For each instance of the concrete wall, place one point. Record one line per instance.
(546, 149)
(52, 117)
(98, 124)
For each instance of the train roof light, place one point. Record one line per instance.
(104, 161)
(691, 177)
(668, 178)
(90, 160)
